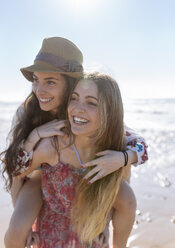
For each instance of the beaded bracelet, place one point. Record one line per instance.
(126, 157)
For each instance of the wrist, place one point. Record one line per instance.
(125, 155)
(31, 140)
(132, 157)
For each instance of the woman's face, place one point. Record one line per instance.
(49, 89)
(83, 111)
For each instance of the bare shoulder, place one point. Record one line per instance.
(48, 150)
(45, 150)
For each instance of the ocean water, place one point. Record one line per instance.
(154, 119)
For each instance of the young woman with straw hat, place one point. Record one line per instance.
(57, 64)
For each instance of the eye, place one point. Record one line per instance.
(92, 104)
(73, 98)
(35, 80)
(51, 83)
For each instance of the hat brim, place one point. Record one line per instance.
(28, 71)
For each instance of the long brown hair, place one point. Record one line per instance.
(94, 202)
(31, 117)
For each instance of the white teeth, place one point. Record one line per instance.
(45, 99)
(79, 120)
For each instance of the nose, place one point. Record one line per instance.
(80, 108)
(38, 89)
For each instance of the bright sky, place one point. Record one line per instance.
(132, 40)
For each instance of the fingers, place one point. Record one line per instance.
(60, 125)
(97, 177)
(57, 125)
(102, 153)
(35, 238)
(32, 239)
(92, 162)
(91, 173)
(60, 133)
(51, 128)
(52, 124)
(97, 160)
(57, 121)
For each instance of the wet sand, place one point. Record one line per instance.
(155, 216)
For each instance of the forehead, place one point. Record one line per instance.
(88, 87)
(48, 75)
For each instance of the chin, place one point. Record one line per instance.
(45, 109)
(75, 131)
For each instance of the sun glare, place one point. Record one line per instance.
(84, 4)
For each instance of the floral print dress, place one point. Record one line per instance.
(53, 223)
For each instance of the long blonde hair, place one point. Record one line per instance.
(94, 202)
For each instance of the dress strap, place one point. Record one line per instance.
(79, 159)
(78, 156)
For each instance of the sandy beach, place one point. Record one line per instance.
(155, 216)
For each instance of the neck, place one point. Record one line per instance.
(85, 147)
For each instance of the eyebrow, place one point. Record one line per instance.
(49, 78)
(86, 96)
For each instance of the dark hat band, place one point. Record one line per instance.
(57, 61)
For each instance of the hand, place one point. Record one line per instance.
(108, 162)
(103, 238)
(51, 128)
(32, 239)
(48, 129)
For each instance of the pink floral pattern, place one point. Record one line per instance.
(24, 160)
(53, 224)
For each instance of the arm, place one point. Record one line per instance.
(15, 189)
(25, 152)
(44, 153)
(26, 209)
(110, 161)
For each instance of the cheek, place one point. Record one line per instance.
(97, 117)
(59, 94)
(71, 106)
(69, 110)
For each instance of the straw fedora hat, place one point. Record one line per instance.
(57, 55)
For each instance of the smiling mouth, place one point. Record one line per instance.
(45, 100)
(80, 121)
